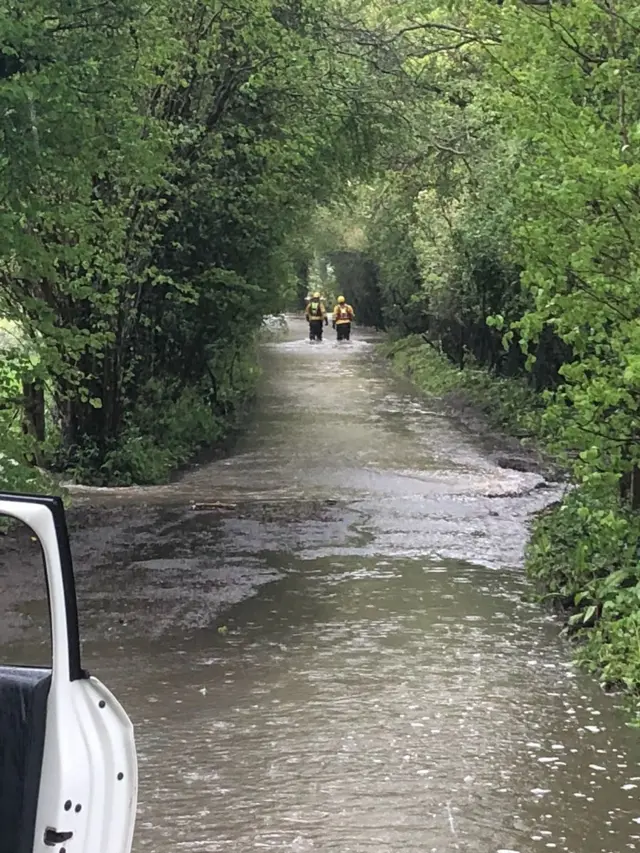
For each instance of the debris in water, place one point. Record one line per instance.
(213, 505)
(451, 823)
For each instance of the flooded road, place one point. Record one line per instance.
(338, 656)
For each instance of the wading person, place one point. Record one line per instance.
(316, 315)
(342, 319)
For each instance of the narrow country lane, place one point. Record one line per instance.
(338, 656)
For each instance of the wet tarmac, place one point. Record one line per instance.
(333, 650)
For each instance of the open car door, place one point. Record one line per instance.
(68, 768)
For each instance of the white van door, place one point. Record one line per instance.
(68, 768)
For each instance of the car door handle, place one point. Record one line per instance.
(52, 837)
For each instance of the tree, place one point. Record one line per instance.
(159, 163)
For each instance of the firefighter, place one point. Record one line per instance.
(342, 318)
(316, 315)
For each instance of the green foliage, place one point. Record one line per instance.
(162, 435)
(584, 557)
(18, 451)
(159, 165)
(17, 475)
(170, 424)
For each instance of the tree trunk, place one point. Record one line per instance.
(630, 488)
(34, 418)
(33, 421)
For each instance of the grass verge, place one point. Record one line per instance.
(507, 404)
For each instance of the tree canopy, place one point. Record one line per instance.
(159, 164)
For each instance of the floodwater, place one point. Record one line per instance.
(339, 655)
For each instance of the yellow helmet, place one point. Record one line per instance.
(341, 299)
(316, 295)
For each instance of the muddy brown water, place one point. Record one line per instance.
(341, 657)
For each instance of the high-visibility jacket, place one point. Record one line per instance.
(315, 310)
(342, 313)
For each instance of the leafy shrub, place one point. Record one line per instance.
(162, 435)
(17, 450)
(584, 558)
(168, 426)
(16, 475)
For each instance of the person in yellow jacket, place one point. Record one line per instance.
(342, 318)
(316, 315)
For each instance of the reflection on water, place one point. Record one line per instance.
(393, 705)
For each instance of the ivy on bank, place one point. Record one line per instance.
(584, 558)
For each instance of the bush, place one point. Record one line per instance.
(161, 434)
(18, 452)
(584, 558)
(167, 426)
(16, 475)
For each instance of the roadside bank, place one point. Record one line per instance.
(486, 405)
(582, 557)
(170, 428)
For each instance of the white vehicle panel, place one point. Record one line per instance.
(88, 781)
